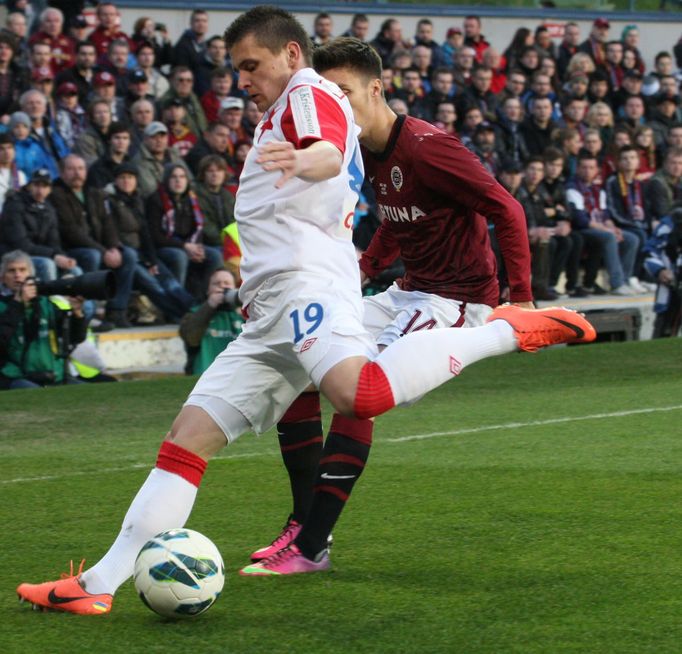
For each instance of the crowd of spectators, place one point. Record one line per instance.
(123, 151)
(579, 131)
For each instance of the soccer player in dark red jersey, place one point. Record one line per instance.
(435, 196)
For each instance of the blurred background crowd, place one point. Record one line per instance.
(122, 151)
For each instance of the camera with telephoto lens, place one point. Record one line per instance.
(231, 300)
(100, 285)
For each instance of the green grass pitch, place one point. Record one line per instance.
(532, 505)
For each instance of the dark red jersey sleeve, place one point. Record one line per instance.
(314, 115)
(382, 251)
(445, 166)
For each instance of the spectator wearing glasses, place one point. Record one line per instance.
(182, 80)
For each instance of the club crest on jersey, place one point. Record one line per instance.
(397, 178)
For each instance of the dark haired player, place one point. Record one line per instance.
(301, 286)
(434, 195)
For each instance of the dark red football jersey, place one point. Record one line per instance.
(435, 196)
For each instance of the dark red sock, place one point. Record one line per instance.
(300, 441)
(182, 462)
(343, 460)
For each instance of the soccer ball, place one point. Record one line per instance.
(179, 573)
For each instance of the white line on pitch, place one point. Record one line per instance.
(400, 439)
(531, 423)
(132, 466)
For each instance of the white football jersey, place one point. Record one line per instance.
(303, 226)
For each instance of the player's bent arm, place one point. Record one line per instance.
(319, 161)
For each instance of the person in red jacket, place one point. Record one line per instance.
(107, 30)
(62, 47)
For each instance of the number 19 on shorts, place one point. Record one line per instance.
(311, 319)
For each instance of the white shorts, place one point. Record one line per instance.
(394, 313)
(299, 327)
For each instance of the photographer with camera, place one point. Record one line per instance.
(208, 328)
(31, 327)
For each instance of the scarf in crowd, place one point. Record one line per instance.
(631, 193)
(590, 196)
(168, 220)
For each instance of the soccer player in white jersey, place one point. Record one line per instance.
(301, 290)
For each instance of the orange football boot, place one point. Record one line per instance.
(65, 595)
(537, 328)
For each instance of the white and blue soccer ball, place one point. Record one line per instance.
(179, 573)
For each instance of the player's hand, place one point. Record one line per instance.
(76, 303)
(666, 276)
(195, 251)
(563, 228)
(280, 156)
(216, 298)
(27, 292)
(112, 258)
(63, 262)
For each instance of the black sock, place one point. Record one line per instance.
(300, 441)
(343, 460)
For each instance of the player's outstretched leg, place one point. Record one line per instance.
(163, 502)
(422, 361)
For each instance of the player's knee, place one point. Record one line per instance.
(195, 431)
(344, 402)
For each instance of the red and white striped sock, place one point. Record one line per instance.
(163, 502)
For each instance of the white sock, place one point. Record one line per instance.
(164, 502)
(423, 360)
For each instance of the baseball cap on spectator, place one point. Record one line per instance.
(137, 76)
(40, 176)
(79, 22)
(154, 128)
(41, 74)
(104, 78)
(125, 168)
(19, 118)
(67, 88)
(602, 23)
(231, 103)
(633, 72)
(452, 31)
